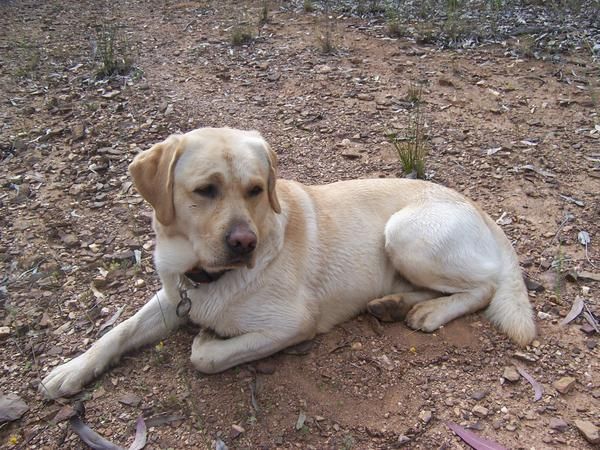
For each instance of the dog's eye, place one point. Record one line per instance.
(208, 191)
(255, 191)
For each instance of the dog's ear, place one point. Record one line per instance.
(152, 172)
(273, 200)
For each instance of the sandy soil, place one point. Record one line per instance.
(520, 136)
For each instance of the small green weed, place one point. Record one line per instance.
(29, 59)
(412, 149)
(308, 6)
(526, 46)
(263, 16)
(241, 35)
(113, 52)
(414, 93)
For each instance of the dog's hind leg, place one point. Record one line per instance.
(431, 314)
(446, 247)
(395, 307)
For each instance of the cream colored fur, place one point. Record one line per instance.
(323, 254)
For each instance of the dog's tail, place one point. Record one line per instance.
(510, 308)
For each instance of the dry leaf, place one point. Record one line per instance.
(90, 437)
(140, 435)
(478, 443)
(537, 387)
(576, 309)
(110, 322)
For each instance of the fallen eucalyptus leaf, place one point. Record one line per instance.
(300, 421)
(162, 419)
(576, 309)
(220, 445)
(537, 387)
(591, 320)
(110, 322)
(584, 238)
(588, 275)
(90, 437)
(544, 173)
(140, 435)
(478, 443)
(99, 295)
(573, 200)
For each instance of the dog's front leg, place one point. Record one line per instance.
(153, 322)
(212, 355)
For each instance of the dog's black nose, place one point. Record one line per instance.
(241, 240)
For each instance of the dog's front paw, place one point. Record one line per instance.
(66, 379)
(205, 353)
(425, 317)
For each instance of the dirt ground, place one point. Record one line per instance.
(521, 136)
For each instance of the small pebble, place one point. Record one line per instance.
(588, 430)
(511, 374)
(564, 385)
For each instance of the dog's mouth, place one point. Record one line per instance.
(201, 276)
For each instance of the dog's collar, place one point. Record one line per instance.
(200, 276)
(192, 280)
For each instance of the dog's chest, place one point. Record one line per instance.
(217, 310)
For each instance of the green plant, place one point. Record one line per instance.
(452, 6)
(240, 35)
(558, 264)
(263, 16)
(526, 46)
(393, 26)
(348, 442)
(325, 39)
(415, 93)
(413, 148)
(113, 52)
(308, 6)
(29, 58)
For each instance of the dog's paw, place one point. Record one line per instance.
(67, 379)
(388, 309)
(425, 317)
(205, 353)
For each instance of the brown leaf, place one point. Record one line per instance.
(478, 443)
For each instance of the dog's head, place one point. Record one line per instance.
(213, 193)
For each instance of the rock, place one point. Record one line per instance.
(478, 395)
(588, 430)
(4, 332)
(511, 374)
(265, 367)
(558, 424)
(301, 420)
(425, 416)
(70, 240)
(480, 411)
(403, 439)
(12, 407)
(528, 357)
(235, 431)
(364, 97)
(130, 399)
(323, 69)
(350, 155)
(45, 321)
(564, 385)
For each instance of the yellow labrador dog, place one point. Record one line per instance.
(261, 264)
